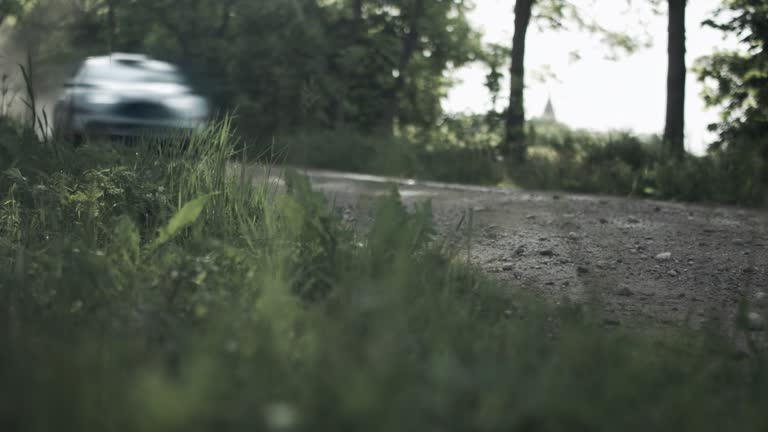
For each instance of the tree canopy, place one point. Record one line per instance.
(365, 64)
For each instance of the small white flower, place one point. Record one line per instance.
(76, 306)
(231, 346)
(280, 415)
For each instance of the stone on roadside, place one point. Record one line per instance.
(573, 236)
(740, 349)
(761, 299)
(547, 253)
(756, 321)
(664, 256)
(672, 273)
(507, 267)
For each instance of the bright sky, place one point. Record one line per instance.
(594, 92)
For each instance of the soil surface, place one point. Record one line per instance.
(644, 261)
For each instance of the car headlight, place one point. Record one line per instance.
(186, 103)
(101, 99)
(189, 106)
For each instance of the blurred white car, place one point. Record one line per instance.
(127, 95)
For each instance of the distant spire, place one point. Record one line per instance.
(549, 111)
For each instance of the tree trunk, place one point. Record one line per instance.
(356, 29)
(674, 129)
(357, 11)
(514, 142)
(111, 24)
(410, 43)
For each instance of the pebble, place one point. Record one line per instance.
(625, 292)
(672, 273)
(761, 299)
(750, 270)
(507, 267)
(740, 352)
(756, 321)
(738, 241)
(633, 220)
(582, 270)
(530, 217)
(573, 236)
(603, 221)
(611, 322)
(520, 250)
(547, 253)
(664, 256)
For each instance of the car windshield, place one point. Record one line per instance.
(140, 72)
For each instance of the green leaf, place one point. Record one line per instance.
(185, 217)
(15, 174)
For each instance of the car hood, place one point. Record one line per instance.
(146, 89)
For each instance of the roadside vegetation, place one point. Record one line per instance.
(357, 85)
(463, 149)
(157, 286)
(154, 287)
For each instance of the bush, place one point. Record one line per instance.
(463, 150)
(624, 164)
(159, 291)
(412, 157)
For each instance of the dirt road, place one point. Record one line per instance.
(644, 261)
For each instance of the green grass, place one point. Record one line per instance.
(152, 289)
